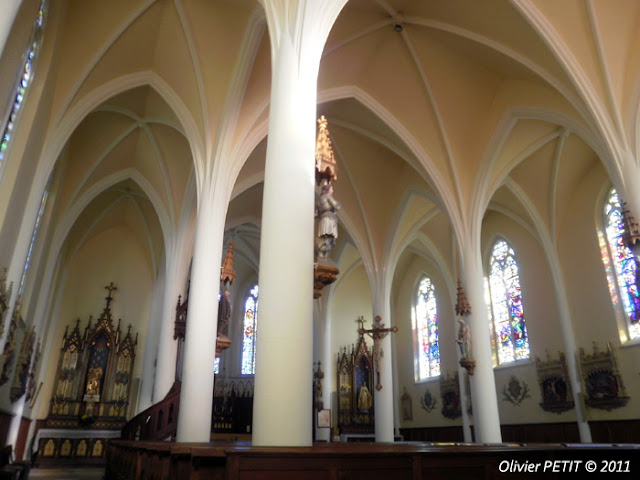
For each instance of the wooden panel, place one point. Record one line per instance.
(5, 424)
(25, 423)
(337, 461)
(618, 431)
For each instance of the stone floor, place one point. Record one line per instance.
(70, 473)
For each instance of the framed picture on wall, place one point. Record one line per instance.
(324, 418)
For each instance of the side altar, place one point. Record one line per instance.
(91, 392)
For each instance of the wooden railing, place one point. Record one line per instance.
(158, 422)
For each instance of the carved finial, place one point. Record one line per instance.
(326, 169)
(462, 304)
(227, 272)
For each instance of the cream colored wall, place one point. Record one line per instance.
(541, 317)
(592, 312)
(407, 287)
(114, 255)
(351, 299)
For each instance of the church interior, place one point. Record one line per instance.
(296, 223)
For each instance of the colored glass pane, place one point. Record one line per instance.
(426, 331)
(23, 82)
(507, 314)
(248, 366)
(624, 263)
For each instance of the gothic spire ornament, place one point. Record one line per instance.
(326, 169)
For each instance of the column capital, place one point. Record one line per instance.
(305, 23)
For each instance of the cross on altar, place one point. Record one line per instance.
(109, 298)
(377, 333)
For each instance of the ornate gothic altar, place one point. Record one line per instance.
(91, 391)
(355, 389)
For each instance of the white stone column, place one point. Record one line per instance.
(145, 399)
(196, 397)
(175, 282)
(322, 352)
(8, 11)
(383, 398)
(282, 409)
(486, 418)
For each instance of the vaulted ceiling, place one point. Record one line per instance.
(437, 111)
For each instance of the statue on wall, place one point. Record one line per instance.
(464, 338)
(327, 209)
(224, 312)
(364, 399)
(325, 269)
(463, 309)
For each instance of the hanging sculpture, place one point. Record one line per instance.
(325, 270)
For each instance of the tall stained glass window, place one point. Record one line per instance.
(506, 313)
(621, 265)
(249, 332)
(425, 331)
(22, 85)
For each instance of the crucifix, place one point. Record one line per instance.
(318, 375)
(109, 298)
(377, 333)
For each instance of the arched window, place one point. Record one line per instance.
(621, 266)
(249, 332)
(425, 331)
(23, 82)
(506, 313)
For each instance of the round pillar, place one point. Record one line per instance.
(282, 409)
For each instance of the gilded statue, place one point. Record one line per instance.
(364, 399)
(93, 381)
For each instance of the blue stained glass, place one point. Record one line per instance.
(20, 89)
(506, 312)
(248, 366)
(624, 262)
(426, 331)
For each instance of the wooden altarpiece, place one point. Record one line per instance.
(355, 389)
(91, 391)
(93, 380)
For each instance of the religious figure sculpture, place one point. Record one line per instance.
(464, 338)
(93, 381)
(364, 399)
(328, 224)
(224, 313)
(377, 333)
